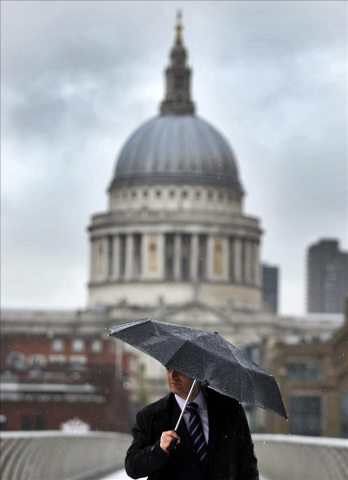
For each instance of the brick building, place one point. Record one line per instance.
(58, 373)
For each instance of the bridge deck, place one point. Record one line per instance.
(121, 475)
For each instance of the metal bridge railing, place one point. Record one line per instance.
(55, 455)
(293, 457)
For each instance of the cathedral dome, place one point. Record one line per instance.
(177, 148)
(175, 232)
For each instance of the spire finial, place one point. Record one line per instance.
(178, 28)
(177, 99)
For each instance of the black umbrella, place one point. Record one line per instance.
(206, 357)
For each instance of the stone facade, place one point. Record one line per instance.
(175, 230)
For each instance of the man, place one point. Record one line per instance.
(224, 450)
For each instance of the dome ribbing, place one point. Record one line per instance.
(177, 148)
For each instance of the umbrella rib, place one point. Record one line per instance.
(178, 350)
(182, 346)
(247, 372)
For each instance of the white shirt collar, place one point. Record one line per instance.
(199, 399)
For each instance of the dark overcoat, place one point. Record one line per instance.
(230, 448)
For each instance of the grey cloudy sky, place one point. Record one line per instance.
(79, 77)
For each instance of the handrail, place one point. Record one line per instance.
(52, 455)
(294, 457)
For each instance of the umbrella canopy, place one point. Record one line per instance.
(205, 356)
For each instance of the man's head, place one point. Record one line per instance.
(180, 384)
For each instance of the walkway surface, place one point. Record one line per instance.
(121, 475)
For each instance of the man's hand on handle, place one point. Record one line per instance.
(166, 439)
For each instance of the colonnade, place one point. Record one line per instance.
(175, 256)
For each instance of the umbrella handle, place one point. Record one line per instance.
(172, 444)
(174, 441)
(185, 404)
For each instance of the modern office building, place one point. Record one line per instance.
(327, 277)
(270, 287)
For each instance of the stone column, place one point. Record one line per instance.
(210, 257)
(101, 258)
(257, 270)
(194, 257)
(138, 258)
(116, 257)
(225, 258)
(238, 259)
(93, 259)
(177, 256)
(129, 256)
(230, 259)
(247, 261)
(251, 262)
(161, 253)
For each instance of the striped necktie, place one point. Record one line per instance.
(196, 431)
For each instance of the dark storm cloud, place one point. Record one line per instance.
(78, 77)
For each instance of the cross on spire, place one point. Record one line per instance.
(178, 28)
(177, 97)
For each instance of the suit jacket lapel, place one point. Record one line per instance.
(212, 424)
(212, 431)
